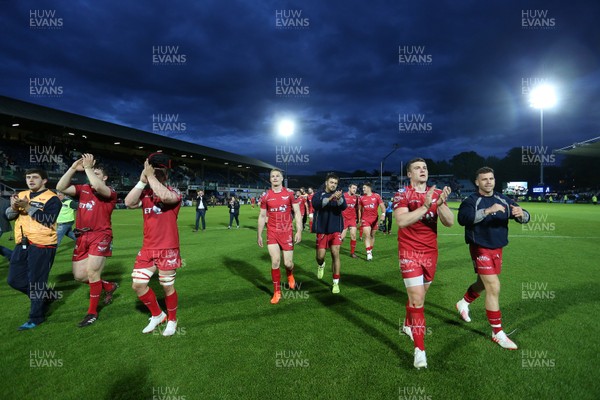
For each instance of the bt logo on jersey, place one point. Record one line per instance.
(154, 209)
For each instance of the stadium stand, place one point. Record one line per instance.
(38, 136)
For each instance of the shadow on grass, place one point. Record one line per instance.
(249, 272)
(67, 286)
(372, 285)
(359, 316)
(123, 389)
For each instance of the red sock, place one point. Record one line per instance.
(352, 246)
(171, 301)
(106, 286)
(289, 272)
(417, 316)
(95, 292)
(495, 319)
(336, 276)
(407, 319)
(310, 225)
(149, 300)
(276, 277)
(471, 295)
(369, 248)
(360, 232)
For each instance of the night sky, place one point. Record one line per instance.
(435, 77)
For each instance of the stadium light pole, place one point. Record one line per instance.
(286, 128)
(541, 97)
(396, 147)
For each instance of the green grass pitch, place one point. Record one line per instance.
(233, 344)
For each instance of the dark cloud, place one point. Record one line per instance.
(346, 56)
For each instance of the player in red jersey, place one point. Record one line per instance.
(371, 212)
(253, 201)
(309, 195)
(350, 216)
(276, 206)
(416, 210)
(160, 248)
(93, 230)
(301, 199)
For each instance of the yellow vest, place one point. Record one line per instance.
(36, 233)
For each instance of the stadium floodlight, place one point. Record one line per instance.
(542, 97)
(286, 128)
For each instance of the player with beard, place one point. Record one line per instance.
(485, 216)
(329, 204)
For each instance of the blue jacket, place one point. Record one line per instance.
(489, 231)
(328, 215)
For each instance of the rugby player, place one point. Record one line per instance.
(276, 206)
(328, 224)
(416, 210)
(485, 215)
(350, 217)
(93, 230)
(371, 213)
(160, 249)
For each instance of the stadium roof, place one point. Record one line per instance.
(588, 148)
(18, 111)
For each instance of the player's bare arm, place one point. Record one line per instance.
(164, 194)
(382, 212)
(132, 200)
(405, 218)
(64, 184)
(298, 219)
(444, 212)
(96, 182)
(262, 217)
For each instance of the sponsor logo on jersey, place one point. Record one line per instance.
(88, 206)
